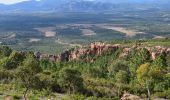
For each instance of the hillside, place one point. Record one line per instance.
(82, 5)
(84, 50)
(52, 26)
(100, 71)
(53, 32)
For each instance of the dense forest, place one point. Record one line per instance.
(107, 76)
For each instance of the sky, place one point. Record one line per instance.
(10, 1)
(16, 1)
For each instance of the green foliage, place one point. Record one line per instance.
(13, 61)
(27, 74)
(164, 94)
(5, 51)
(100, 87)
(163, 85)
(121, 77)
(6, 76)
(82, 97)
(160, 61)
(75, 97)
(168, 63)
(70, 80)
(143, 73)
(116, 66)
(32, 64)
(106, 77)
(45, 79)
(139, 57)
(6, 63)
(28, 78)
(15, 97)
(148, 75)
(47, 64)
(97, 72)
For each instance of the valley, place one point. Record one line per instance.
(40, 31)
(84, 49)
(114, 70)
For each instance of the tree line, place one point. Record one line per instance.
(107, 78)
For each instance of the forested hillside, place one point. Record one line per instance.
(102, 71)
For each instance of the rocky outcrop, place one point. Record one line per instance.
(8, 98)
(128, 96)
(157, 50)
(98, 48)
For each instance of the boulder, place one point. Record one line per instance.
(8, 98)
(128, 96)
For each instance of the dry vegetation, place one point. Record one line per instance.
(128, 32)
(48, 31)
(34, 40)
(88, 32)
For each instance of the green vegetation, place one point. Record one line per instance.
(106, 78)
(17, 30)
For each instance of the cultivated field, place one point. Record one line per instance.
(53, 33)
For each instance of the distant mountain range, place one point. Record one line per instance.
(80, 5)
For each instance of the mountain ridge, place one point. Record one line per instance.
(78, 5)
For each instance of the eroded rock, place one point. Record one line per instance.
(128, 96)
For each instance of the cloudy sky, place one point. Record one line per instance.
(10, 1)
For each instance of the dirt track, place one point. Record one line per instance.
(129, 33)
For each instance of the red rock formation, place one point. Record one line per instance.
(153, 54)
(98, 48)
(125, 53)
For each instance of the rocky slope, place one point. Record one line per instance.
(98, 48)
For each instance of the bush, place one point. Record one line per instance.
(15, 97)
(6, 76)
(71, 80)
(164, 94)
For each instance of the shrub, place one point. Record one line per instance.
(16, 97)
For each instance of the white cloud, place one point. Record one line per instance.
(11, 1)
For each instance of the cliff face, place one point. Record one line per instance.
(98, 48)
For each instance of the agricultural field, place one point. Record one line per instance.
(84, 49)
(53, 32)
